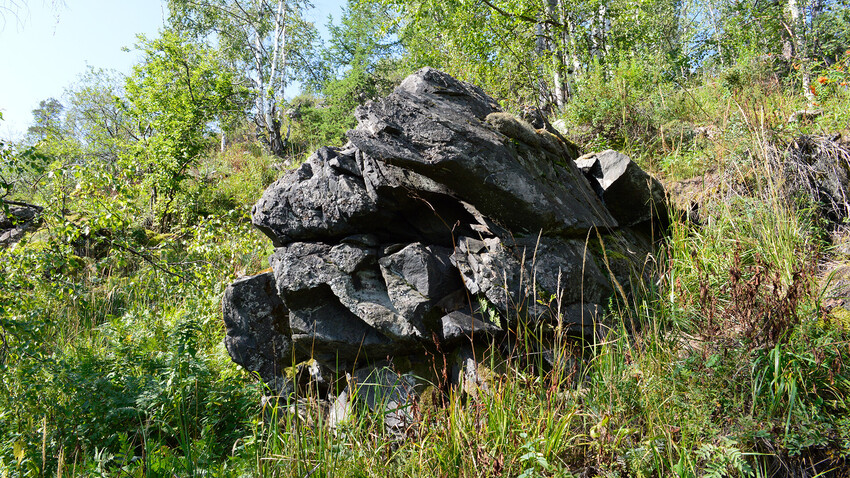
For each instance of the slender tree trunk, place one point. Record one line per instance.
(797, 31)
(575, 62)
(275, 86)
(541, 51)
(713, 17)
(555, 48)
(263, 114)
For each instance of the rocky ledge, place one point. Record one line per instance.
(16, 219)
(443, 222)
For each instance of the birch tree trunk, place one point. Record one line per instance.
(257, 36)
(572, 47)
(797, 32)
(555, 38)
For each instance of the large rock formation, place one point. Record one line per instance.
(443, 220)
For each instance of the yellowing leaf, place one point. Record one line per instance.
(19, 452)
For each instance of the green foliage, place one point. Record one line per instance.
(177, 92)
(324, 120)
(120, 358)
(360, 63)
(620, 109)
(830, 31)
(525, 52)
(364, 39)
(98, 121)
(46, 119)
(724, 459)
(475, 43)
(271, 42)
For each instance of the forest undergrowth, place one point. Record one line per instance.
(734, 362)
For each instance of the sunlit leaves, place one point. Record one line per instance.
(176, 93)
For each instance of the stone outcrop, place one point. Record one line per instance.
(16, 219)
(442, 223)
(258, 333)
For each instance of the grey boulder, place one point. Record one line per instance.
(441, 225)
(257, 322)
(16, 219)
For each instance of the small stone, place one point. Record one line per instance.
(457, 326)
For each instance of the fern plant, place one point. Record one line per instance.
(724, 459)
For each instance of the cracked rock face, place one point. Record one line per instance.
(443, 220)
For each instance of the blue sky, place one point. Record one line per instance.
(44, 48)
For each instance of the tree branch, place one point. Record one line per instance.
(525, 18)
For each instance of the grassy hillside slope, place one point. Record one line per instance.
(735, 363)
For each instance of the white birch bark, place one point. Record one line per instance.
(798, 31)
(556, 49)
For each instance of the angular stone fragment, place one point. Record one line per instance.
(321, 325)
(582, 319)
(632, 195)
(324, 329)
(340, 411)
(427, 269)
(339, 193)
(816, 171)
(457, 326)
(468, 371)
(417, 278)
(365, 294)
(351, 274)
(257, 322)
(565, 269)
(316, 201)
